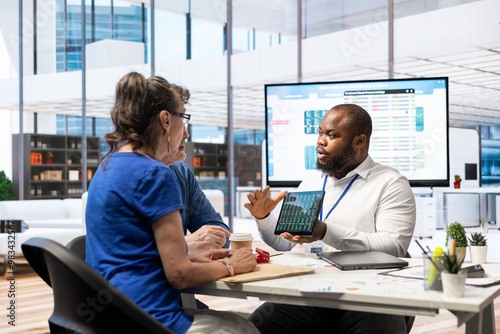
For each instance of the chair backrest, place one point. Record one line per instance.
(78, 246)
(84, 301)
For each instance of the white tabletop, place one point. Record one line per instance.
(377, 293)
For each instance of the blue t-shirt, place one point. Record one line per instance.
(124, 199)
(197, 209)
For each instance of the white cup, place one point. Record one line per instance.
(239, 240)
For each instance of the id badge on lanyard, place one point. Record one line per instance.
(320, 249)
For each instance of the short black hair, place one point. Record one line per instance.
(358, 119)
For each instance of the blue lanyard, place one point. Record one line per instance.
(345, 191)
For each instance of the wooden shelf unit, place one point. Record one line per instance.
(55, 182)
(210, 161)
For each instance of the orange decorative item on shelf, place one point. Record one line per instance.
(196, 162)
(36, 158)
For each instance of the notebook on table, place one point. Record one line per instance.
(354, 260)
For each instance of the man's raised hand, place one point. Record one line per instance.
(261, 204)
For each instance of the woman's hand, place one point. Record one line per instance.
(243, 260)
(261, 204)
(209, 255)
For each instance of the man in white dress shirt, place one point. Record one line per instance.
(367, 206)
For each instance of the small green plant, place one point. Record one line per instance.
(6, 190)
(457, 231)
(451, 264)
(458, 178)
(477, 239)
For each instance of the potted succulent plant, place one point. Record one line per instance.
(452, 278)
(36, 175)
(458, 179)
(478, 248)
(457, 231)
(68, 159)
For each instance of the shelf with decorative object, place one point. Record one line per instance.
(53, 165)
(210, 161)
(209, 165)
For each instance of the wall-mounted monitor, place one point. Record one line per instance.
(410, 126)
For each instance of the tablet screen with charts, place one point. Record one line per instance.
(299, 212)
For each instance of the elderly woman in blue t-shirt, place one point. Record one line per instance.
(135, 237)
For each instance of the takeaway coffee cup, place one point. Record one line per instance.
(239, 240)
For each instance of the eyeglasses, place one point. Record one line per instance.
(186, 117)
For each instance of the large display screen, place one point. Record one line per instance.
(410, 126)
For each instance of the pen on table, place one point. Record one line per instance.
(434, 272)
(422, 248)
(427, 254)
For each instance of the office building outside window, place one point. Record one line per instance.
(122, 22)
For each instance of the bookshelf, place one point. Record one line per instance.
(209, 165)
(52, 165)
(209, 161)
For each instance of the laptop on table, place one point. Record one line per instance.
(355, 260)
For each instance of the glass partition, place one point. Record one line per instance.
(170, 34)
(207, 39)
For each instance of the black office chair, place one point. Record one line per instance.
(84, 301)
(78, 245)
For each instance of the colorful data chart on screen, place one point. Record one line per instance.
(312, 118)
(299, 214)
(396, 121)
(310, 156)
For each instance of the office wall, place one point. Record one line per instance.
(9, 124)
(111, 53)
(6, 140)
(464, 148)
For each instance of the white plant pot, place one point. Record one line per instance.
(453, 284)
(478, 254)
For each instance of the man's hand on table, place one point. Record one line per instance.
(207, 237)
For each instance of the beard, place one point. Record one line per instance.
(338, 162)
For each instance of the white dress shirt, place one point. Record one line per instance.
(377, 212)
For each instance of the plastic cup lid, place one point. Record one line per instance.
(241, 237)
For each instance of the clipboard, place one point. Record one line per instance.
(266, 271)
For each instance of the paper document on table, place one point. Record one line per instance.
(267, 271)
(368, 284)
(489, 279)
(300, 261)
(410, 272)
